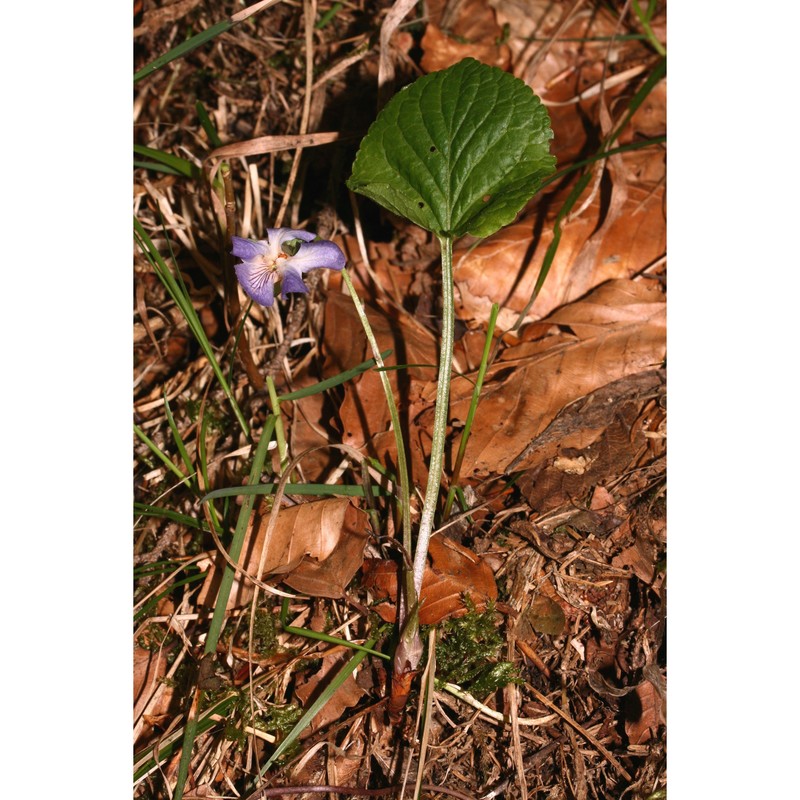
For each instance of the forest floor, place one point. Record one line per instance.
(545, 601)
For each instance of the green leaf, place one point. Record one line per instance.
(459, 151)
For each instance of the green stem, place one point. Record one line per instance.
(402, 468)
(440, 413)
(280, 438)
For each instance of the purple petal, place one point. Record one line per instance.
(247, 249)
(292, 281)
(277, 236)
(318, 254)
(257, 282)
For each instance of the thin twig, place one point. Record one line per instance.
(582, 731)
(309, 12)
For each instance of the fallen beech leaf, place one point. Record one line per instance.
(640, 557)
(546, 616)
(473, 30)
(602, 499)
(452, 572)
(344, 771)
(316, 547)
(569, 63)
(644, 713)
(346, 696)
(442, 51)
(599, 428)
(148, 669)
(616, 331)
(503, 269)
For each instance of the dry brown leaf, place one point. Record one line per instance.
(344, 764)
(346, 696)
(442, 51)
(505, 267)
(148, 669)
(646, 712)
(391, 278)
(575, 61)
(452, 572)
(473, 30)
(650, 119)
(363, 414)
(546, 616)
(640, 557)
(599, 432)
(315, 547)
(616, 331)
(273, 144)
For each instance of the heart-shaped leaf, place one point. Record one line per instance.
(459, 151)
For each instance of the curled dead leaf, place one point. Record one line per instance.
(618, 330)
(346, 696)
(316, 547)
(452, 572)
(644, 712)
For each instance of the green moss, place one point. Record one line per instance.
(273, 719)
(155, 638)
(468, 650)
(265, 634)
(280, 719)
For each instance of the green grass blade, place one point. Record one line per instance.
(183, 48)
(304, 489)
(176, 435)
(280, 438)
(602, 154)
(238, 536)
(207, 125)
(179, 294)
(175, 164)
(328, 16)
(397, 430)
(151, 166)
(203, 466)
(552, 248)
(658, 72)
(144, 510)
(200, 39)
(323, 637)
(329, 383)
(644, 19)
(154, 448)
(226, 583)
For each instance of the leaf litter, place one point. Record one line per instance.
(564, 470)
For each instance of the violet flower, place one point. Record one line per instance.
(266, 262)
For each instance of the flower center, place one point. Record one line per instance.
(270, 265)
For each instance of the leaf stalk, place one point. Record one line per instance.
(440, 413)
